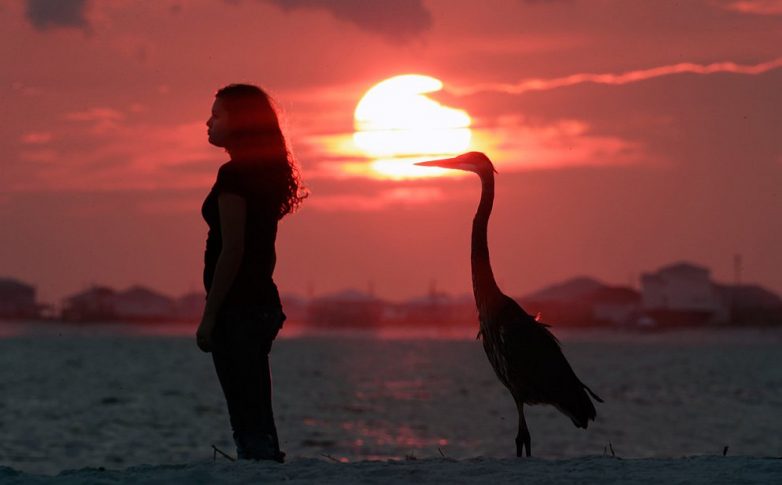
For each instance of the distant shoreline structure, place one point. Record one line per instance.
(677, 295)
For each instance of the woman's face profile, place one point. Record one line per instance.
(218, 124)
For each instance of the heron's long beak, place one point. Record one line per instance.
(454, 162)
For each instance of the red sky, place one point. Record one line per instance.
(627, 135)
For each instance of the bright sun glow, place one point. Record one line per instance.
(397, 125)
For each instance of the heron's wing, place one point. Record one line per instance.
(534, 357)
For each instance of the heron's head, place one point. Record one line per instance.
(471, 161)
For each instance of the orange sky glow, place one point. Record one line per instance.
(627, 135)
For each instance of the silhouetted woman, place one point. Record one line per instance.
(253, 191)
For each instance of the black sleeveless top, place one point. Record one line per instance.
(259, 185)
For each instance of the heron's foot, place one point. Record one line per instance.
(523, 439)
(522, 443)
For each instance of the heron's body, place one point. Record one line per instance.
(525, 356)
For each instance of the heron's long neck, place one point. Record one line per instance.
(483, 284)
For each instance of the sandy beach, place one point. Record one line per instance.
(603, 470)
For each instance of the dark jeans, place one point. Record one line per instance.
(242, 340)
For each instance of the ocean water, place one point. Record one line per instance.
(116, 396)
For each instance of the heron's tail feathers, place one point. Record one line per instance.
(591, 393)
(579, 408)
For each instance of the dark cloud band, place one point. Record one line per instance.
(47, 14)
(397, 20)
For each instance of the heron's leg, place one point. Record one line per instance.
(522, 438)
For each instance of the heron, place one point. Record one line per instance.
(525, 355)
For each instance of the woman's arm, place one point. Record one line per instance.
(233, 210)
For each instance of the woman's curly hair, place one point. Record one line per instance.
(256, 132)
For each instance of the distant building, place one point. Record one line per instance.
(294, 307)
(566, 303)
(138, 303)
(464, 310)
(97, 303)
(349, 308)
(433, 309)
(751, 304)
(682, 293)
(617, 305)
(569, 290)
(190, 306)
(101, 303)
(17, 299)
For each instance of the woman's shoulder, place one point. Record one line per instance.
(229, 168)
(251, 180)
(240, 168)
(232, 177)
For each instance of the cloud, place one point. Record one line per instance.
(617, 79)
(101, 120)
(105, 153)
(26, 90)
(757, 7)
(382, 200)
(42, 156)
(36, 138)
(516, 144)
(47, 14)
(397, 20)
(95, 114)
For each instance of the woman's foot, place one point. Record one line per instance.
(261, 447)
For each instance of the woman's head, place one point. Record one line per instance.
(244, 121)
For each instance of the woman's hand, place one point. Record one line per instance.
(204, 333)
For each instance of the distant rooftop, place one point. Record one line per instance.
(683, 267)
(615, 294)
(348, 295)
(141, 291)
(9, 283)
(573, 288)
(93, 290)
(750, 296)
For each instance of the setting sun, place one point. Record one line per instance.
(398, 125)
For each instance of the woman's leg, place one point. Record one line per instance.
(227, 367)
(257, 424)
(242, 363)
